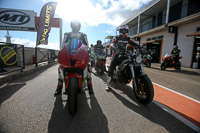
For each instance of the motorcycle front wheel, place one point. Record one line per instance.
(72, 95)
(102, 69)
(148, 64)
(145, 91)
(163, 66)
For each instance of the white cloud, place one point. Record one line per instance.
(109, 31)
(2, 39)
(102, 12)
(25, 42)
(105, 2)
(51, 45)
(28, 43)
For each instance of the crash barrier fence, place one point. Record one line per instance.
(47, 55)
(11, 57)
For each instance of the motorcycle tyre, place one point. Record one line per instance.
(178, 66)
(102, 69)
(72, 95)
(149, 90)
(148, 64)
(163, 66)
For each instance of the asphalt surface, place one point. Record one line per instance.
(186, 81)
(27, 105)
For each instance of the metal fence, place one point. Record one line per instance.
(45, 55)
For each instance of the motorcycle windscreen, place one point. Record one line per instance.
(74, 45)
(166, 55)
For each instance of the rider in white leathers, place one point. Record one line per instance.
(75, 26)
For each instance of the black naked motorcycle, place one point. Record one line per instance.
(130, 70)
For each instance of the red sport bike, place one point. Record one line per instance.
(100, 62)
(73, 59)
(168, 61)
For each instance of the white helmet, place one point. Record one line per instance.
(123, 29)
(75, 25)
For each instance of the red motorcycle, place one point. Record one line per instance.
(73, 59)
(168, 61)
(100, 62)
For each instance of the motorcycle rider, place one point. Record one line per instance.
(92, 55)
(175, 53)
(75, 26)
(91, 47)
(122, 40)
(98, 47)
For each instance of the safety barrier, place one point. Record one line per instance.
(11, 57)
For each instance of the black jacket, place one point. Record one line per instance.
(176, 53)
(98, 48)
(120, 41)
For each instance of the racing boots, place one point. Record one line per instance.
(59, 88)
(89, 84)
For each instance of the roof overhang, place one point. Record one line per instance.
(154, 30)
(193, 34)
(185, 20)
(152, 41)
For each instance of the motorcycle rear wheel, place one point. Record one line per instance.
(72, 95)
(178, 66)
(145, 92)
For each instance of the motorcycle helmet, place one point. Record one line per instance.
(75, 25)
(175, 47)
(91, 45)
(99, 42)
(123, 30)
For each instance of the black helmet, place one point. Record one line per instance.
(175, 47)
(99, 42)
(91, 45)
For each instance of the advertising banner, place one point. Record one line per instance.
(45, 22)
(15, 19)
(8, 55)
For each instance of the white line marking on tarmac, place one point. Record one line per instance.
(179, 117)
(177, 93)
(176, 115)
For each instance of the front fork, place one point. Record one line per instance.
(133, 75)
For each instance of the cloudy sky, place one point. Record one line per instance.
(99, 18)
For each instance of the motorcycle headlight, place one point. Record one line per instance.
(139, 59)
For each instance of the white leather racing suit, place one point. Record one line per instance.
(86, 73)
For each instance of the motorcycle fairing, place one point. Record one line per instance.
(74, 54)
